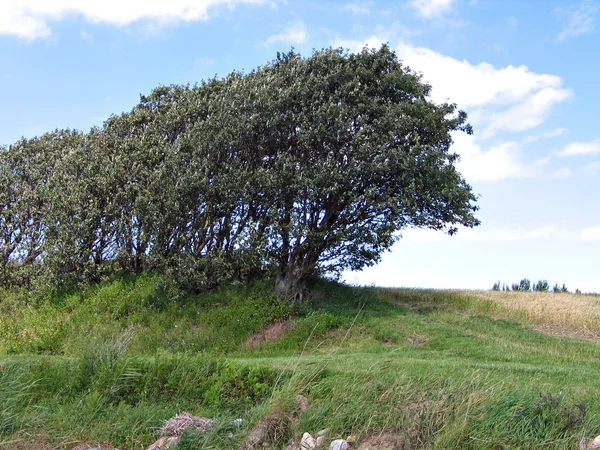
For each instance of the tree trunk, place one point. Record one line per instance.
(291, 284)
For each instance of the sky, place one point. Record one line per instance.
(525, 71)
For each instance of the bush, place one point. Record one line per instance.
(541, 286)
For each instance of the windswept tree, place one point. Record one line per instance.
(306, 165)
(355, 151)
(26, 169)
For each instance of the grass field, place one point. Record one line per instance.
(388, 368)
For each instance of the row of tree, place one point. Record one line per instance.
(307, 165)
(525, 286)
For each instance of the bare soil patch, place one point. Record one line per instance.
(387, 441)
(272, 333)
(417, 339)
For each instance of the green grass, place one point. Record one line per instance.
(110, 362)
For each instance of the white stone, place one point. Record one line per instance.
(308, 442)
(339, 444)
(595, 444)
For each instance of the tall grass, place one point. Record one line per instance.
(424, 369)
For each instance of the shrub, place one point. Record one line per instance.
(541, 286)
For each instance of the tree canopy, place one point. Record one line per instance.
(304, 166)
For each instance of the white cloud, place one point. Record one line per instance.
(496, 163)
(548, 134)
(357, 46)
(510, 99)
(504, 234)
(505, 99)
(359, 8)
(529, 113)
(432, 8)
(554, 133)
(480, 88)
(581, 148)
(578, 20)
(31, 19)
(562, 173)
(590, 234)
(592, 167)
(294, 34)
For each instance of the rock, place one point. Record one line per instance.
(266, 432)
(595, 444)
(257, 434)
(308, 442)
(293, 445)
(175, 426)
(236, 422)
(320, 441)
(301, 402)
(158, 445)
(339, 444)
(351, 439)
(164, 443)
(321, 433)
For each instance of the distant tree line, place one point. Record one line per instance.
(304, 166)
(525, 286)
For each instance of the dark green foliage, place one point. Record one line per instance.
(558, 289)
(523, 286)
(541, 286)
(304, 166)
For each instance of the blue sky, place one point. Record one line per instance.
(525, 71)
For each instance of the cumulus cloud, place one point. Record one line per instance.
(31, 19)
(590, 234)
(592, 167)
(565, 172)
(499, 162)
(499, 99)
(554, 133)
(505, 99)
(581, 148)
(359, 8)
(506, 234)
(432, 8)
(529, 113)
(295, 33)
(577, 20)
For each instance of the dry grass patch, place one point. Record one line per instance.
(387, 441)
(558, 314)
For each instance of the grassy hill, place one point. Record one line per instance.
(389, 368)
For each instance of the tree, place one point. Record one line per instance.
(309, 165)
(357, 152)
(541, 286)
(26, 169)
